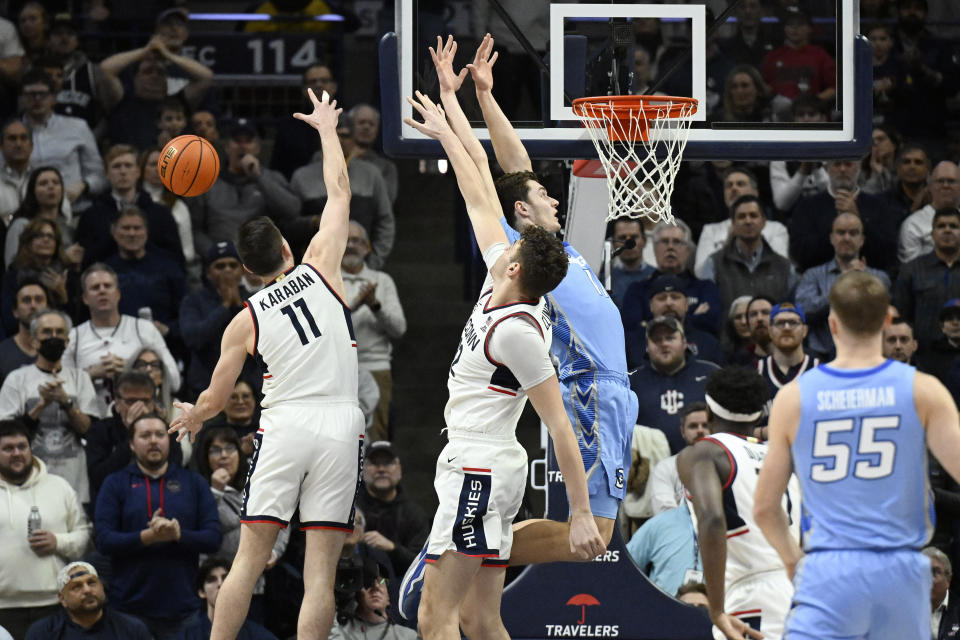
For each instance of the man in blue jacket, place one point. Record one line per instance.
(154, 518)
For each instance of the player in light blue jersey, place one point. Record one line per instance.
(588, 340)
(855, 432)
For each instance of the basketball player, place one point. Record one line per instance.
(747, 584)
(310, 439)
(855, 432)
(503, 359)
(587, 341)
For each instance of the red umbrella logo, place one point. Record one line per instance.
(582, 600)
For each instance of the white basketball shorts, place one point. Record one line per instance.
(306, 454)
(762, 601)
(480, 485)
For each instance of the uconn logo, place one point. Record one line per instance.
(671, 401)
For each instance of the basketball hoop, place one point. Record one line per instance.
(628, 132)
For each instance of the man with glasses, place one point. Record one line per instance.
(57, 400)
(787, 360)
(108, 440)
(64, 142)
(944, 190)
(206, 312)
(395, 524)
(377, 320)
(847, 238)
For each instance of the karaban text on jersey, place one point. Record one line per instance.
(286, 289)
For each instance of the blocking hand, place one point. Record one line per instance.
(434, 120)
(325, 113)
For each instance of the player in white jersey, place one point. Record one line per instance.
(747, 583)
(309, 444)
(503, 359)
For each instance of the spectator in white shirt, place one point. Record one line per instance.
(16, 144)
(737, 181)
(103, 344)
(62, 141)
(944, 187)
(666, 490)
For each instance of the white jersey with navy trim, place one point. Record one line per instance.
(487, 396)
(305, 339)
(748, 551)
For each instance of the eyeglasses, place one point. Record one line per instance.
(146, 364)
(787, 323)
(36, 95)
(128, 401)
(946, 181)
(379, 582)
(226, 449)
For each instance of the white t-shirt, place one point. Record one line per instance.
(10, 46)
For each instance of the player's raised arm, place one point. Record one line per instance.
(510, 152)
(329, 242)
(938, 412)
(486, 227)
(237, 342)
(449, 85)
(774, 476)
(585, 540)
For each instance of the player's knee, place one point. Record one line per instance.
(477, 625)
(435, 621)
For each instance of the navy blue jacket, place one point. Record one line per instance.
(199, 629)
(113, 625)
(636, 303)
(155, 580)
(662, 396)
(93, 229)
(155, 281)
(700, 344)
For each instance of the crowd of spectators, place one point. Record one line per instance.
(115, 293)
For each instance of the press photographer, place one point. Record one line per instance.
(362, 601)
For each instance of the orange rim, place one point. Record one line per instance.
(622, 109)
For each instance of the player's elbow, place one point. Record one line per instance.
(764, 514)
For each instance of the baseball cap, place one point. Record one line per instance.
(222, 249)
(669, 322)
(381, 447)
(794, 16)
(61, 20)
(244, 126)
(664, 283)
(74, 570)
(788, 307)
(950, 307)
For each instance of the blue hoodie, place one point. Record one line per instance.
(155, 580)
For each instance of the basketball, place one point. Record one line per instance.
(188, 166)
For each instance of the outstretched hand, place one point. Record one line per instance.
(443, 61)
(434, 120)
(325, 113)
(736, 629)
(187, 424)
(481, 69)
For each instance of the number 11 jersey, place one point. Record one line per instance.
(860, 454)
(304, 336)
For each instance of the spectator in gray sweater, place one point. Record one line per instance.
(369, 205)
(244, 189)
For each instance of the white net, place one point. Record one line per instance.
(640, 147)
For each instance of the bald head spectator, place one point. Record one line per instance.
(737, 181)
(95, 229)
(926, 283)
(245, 189)
(813, 291)
(30, 562)
(747, 264)
(366, 128)
(20, 349)
(898, 341)
(813, 216)
(63, 142)
(292, 149)
(627, 266)
(134, 118)
(944, 189)
(16, 145)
